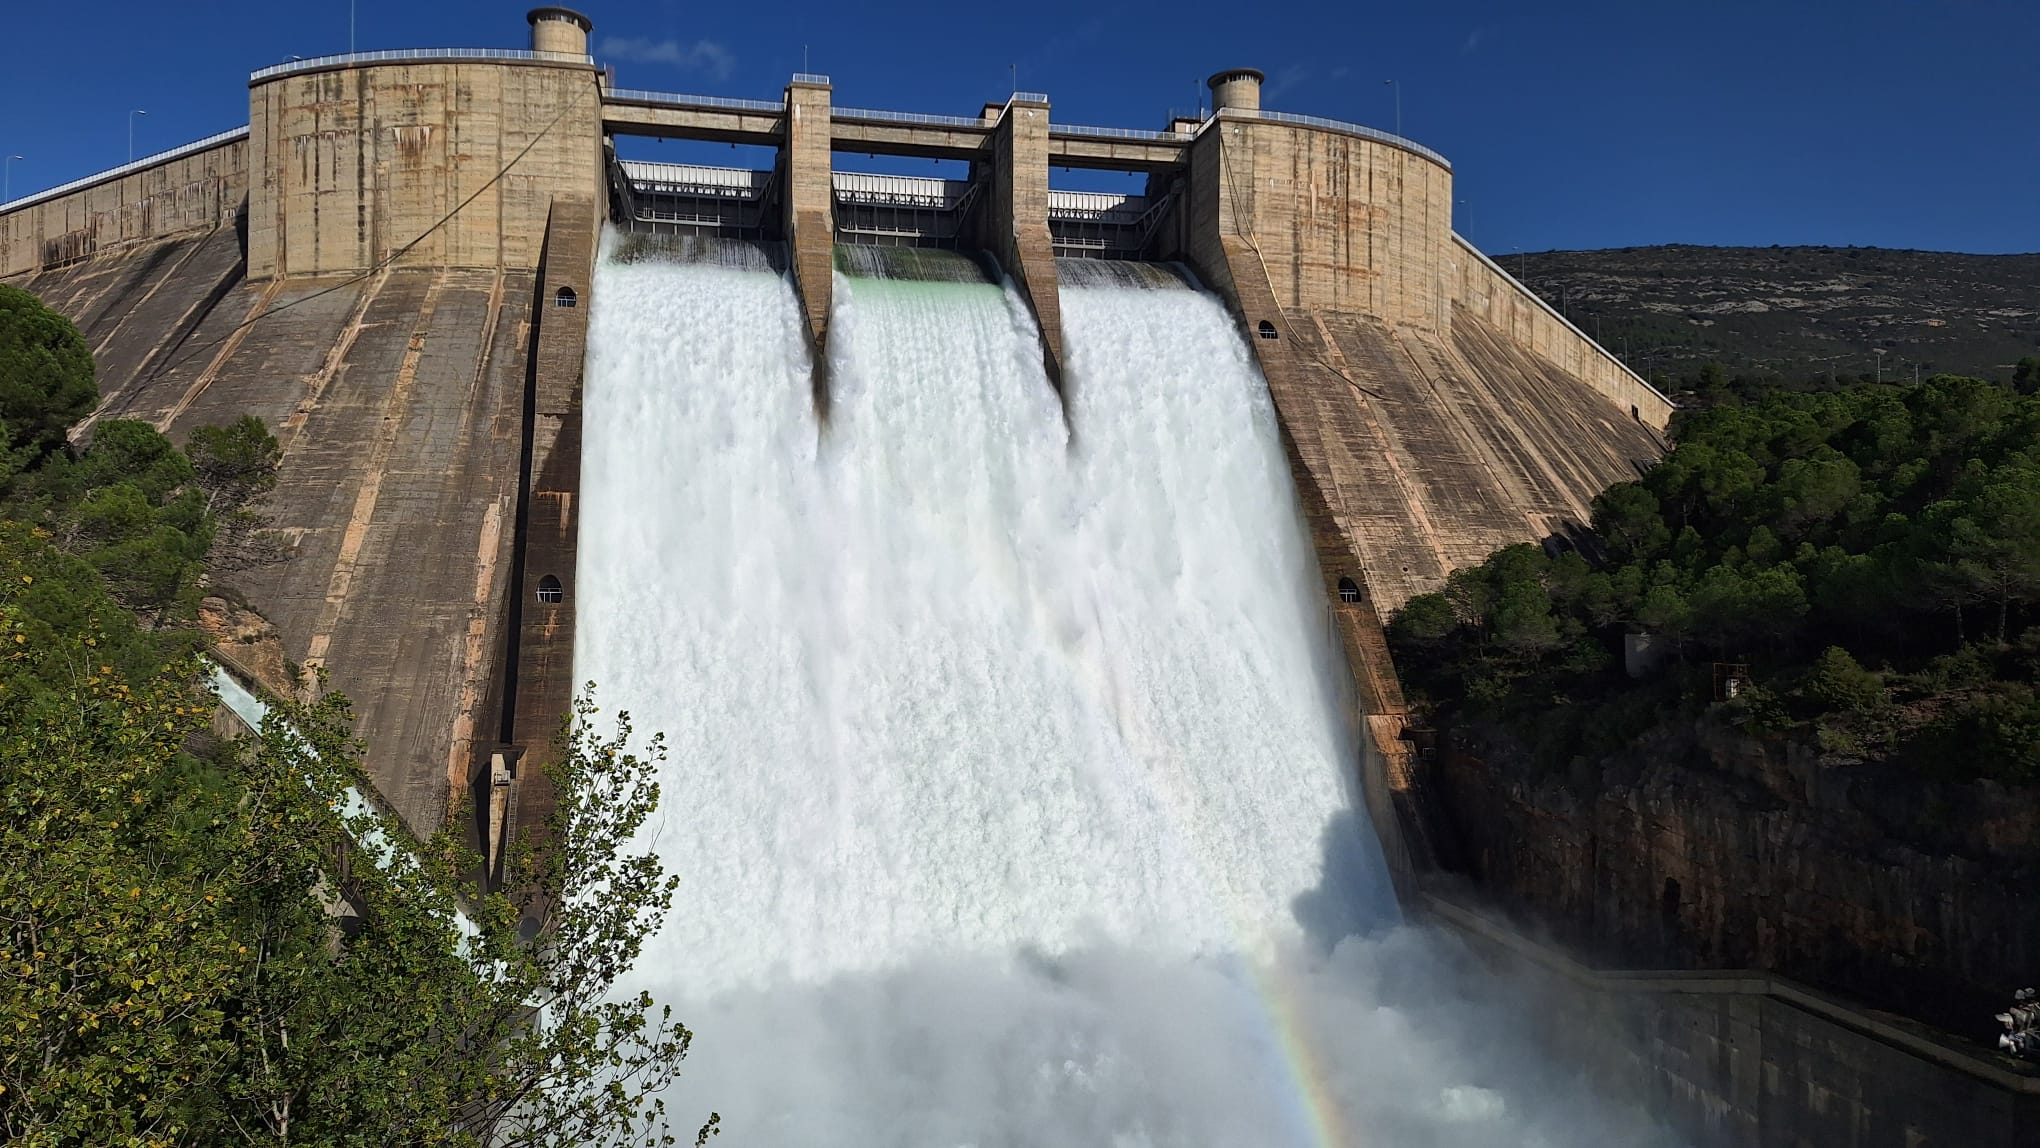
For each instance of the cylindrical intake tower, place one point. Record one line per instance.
(1236, 88)
(559, 30)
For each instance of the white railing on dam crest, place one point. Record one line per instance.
(217, 139)
(401, 55)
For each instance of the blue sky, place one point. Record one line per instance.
(1594, 123)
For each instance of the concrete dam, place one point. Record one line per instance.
(1005, 562)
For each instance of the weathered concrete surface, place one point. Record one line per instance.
(354, 165)
(198, 191)
(398, 400)
(540, 684)
(807, 166)
(1439, 452)
(1484, 289)
(1015, 227)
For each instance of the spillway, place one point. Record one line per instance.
(1009, 775)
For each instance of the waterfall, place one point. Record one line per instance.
(1009, 787)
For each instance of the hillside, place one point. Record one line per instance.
(1797, 310)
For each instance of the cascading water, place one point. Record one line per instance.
(1007, 777)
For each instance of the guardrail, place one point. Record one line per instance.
(810, 78)
(1029, 98)
(343, 59)
(1341, 126)
(217, 139)
(906, 118)
(376, 830)
(676, 99)
(1554, 313)
(1056, 129)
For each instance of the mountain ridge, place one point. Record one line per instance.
(1799, 313)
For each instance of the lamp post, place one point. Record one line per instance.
(1466, 220)
(7, 178)
(350, 27)
(1398, 104)
(1879, 352)
(131, 132)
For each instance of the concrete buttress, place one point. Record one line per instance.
(808, 167)
(542, 603)
(1015, 227)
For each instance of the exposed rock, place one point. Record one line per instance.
(1707, 848)
(247, 642)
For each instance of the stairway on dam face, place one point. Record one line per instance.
(398, 400)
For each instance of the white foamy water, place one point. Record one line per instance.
(1008, 785)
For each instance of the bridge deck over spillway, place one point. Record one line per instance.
(719, 119)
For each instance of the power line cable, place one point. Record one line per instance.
(387, 262)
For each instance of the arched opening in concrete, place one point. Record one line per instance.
(1634, 413)
(550, 591)
(565, 297)
(1267, 329)
(1349, 590)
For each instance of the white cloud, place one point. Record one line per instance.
(704, 56)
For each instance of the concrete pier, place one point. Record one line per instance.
(1016, 222)
(806, 167)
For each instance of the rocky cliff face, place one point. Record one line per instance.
(1701, 847)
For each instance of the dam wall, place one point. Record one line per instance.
(376, 266)
(197, 187)
(398, 400)
(406, 214)
(1482, 289)
(422, 162)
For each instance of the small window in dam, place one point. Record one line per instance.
(565, 297)
(1349, 590)
(549, 590)
(1267, 329)
(1634, 413)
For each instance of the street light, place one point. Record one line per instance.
(1398, 104)
(131, 132)
(7, 178)
(1466, 220)
(1879, 352)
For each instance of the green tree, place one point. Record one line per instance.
(1995, 543)
(174, 976)
(2026, 376)
(1839, 682)
(45, 380)
(235, 465)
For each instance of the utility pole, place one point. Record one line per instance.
(1398, 104)
(7, 178)
(131, 132)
